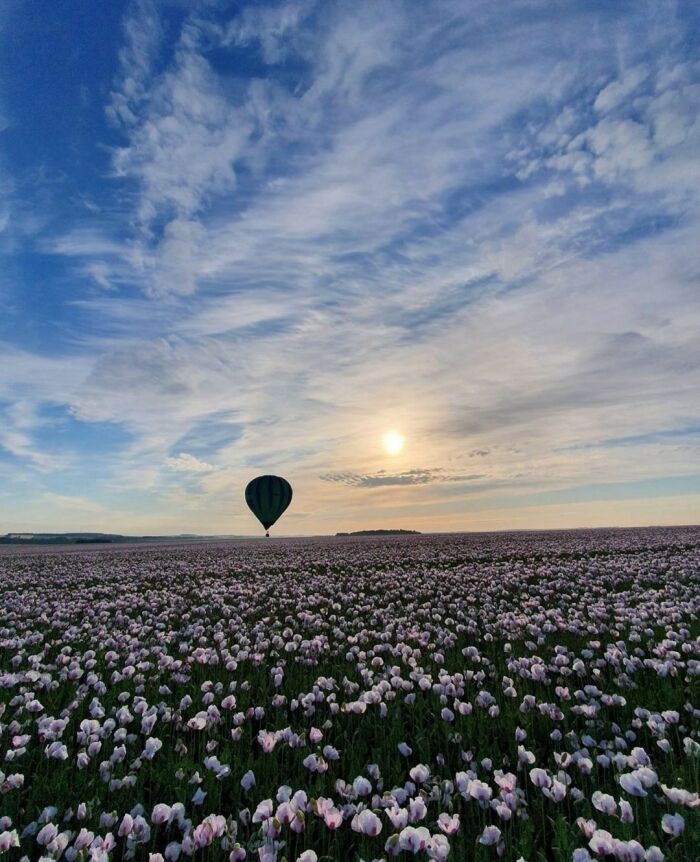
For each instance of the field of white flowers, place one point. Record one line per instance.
(532, 695)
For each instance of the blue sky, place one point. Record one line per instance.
(241, 238)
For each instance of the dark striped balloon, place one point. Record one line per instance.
(267, 498)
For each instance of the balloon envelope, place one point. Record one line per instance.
(267, 498)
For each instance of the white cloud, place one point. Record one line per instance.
(67, 501)
(186, 463)
(184, 139)
(620, 89)
(143, 36)
(651, 141)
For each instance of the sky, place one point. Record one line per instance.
(243, 238)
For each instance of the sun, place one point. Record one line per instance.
(393, 442)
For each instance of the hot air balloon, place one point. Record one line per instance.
(267, 498)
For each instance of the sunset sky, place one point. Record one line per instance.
(257, 238)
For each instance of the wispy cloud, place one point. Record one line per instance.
(407, 477)
(186, 463)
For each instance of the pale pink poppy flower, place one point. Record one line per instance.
(461, 782)
(361, 786)
(203, 835)
(126, 826)
(47, 834)
(56, 751)
(108, 819)
(490, 836)
(626, 813)
(479, 790)
(268, 852)
(540, 778)
(284, 793)
(267, 741)
(151, 747)
(525, 756)
(654, 854)
(439, 848)
(647, 776)
(588, 827)
(672, 824)
(285, 813)
(604, 802)
(173, 851)
(414, 839)
(602, 842)
(556, 791)
(585, 765)
(216, 823)
(449, 825)
(263, 811)
(630, 851)
(503, 811)
(83, 839)
(506, 781)
(308, 856)
(315, 735)
(417, 809)
(631, 784)
(155, 857)
(8, 839)
(398, 816)
(391, 845)
(332, 818)
(199, 796)
(420, 773)
(299, 800)
(640, 757)
(311, 762)
(322, 805)
(367, 823)
(563, 761)
(238, 854)
(161, 813)
(248, 780)
(148, 722)
(679, 796)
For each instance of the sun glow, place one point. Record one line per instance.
(393, 442)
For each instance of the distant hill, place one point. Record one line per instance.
(381, 533)
(90, 538)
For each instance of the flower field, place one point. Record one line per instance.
(528, 695)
